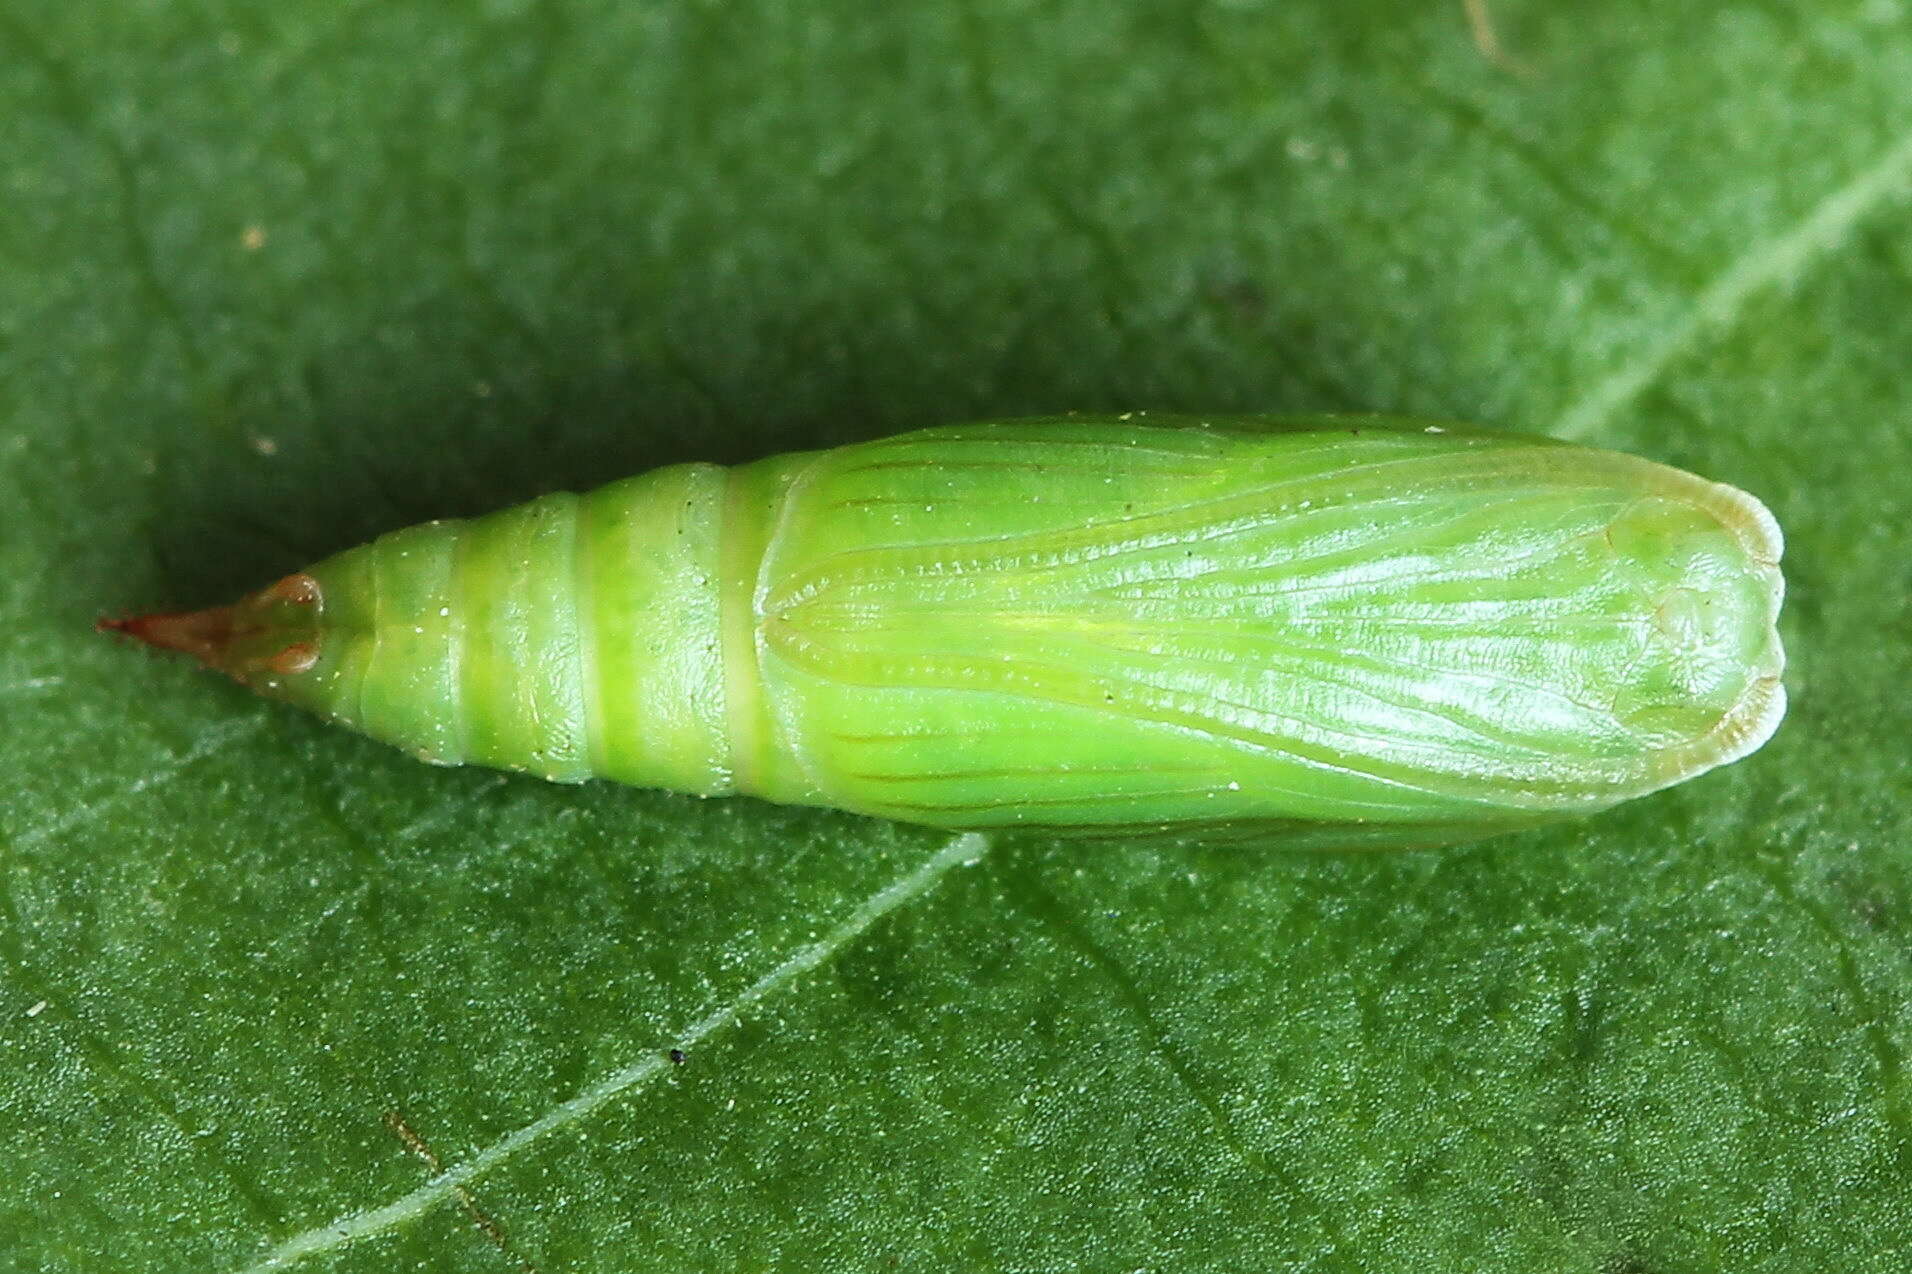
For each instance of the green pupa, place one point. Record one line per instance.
(1309, 631)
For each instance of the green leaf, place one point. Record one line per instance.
(276, 278)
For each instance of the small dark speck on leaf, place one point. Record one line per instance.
(1245, 299)
(677, 1056)
(1625, 1263)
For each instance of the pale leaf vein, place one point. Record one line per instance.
(905, 889)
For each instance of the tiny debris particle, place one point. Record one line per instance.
(266, 446)
(677, 1056)
(252, 238)
(37, 1009)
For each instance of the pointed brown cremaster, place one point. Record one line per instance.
(273, 632)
